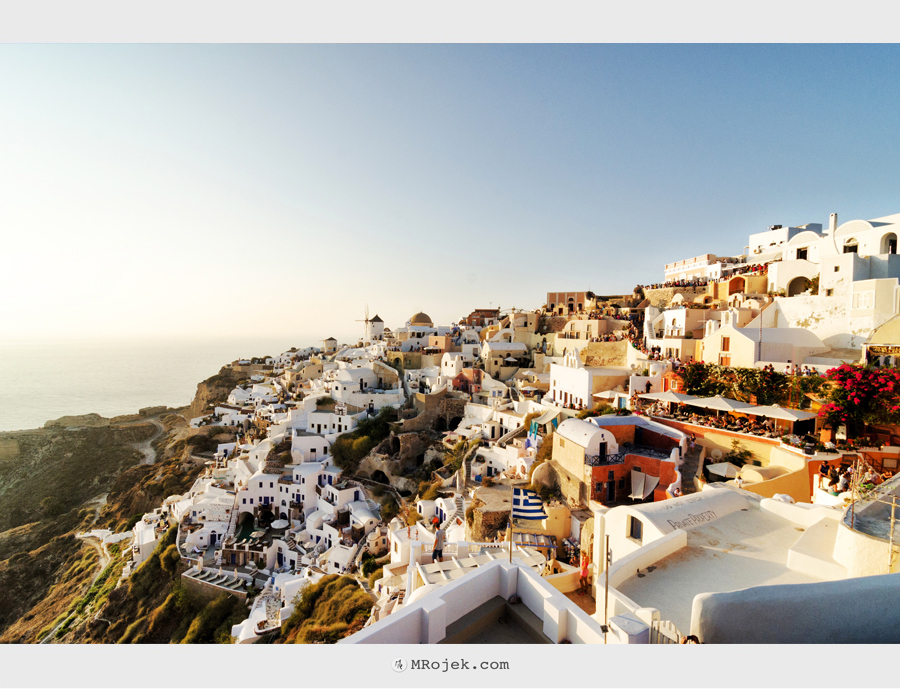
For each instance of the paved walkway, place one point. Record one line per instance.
(689, 470)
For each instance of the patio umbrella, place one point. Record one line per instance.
(726, 469)
(775, 412)
(280, 524)
(720, 403)
(668, 396)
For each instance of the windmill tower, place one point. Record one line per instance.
(374, 327)
(366, 334)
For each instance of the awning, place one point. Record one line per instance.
(637, 485)
(650, 484)
(726, 469)
(642, 485)
(722, 404)
(669, 396)
(775, 412)
(547, 416)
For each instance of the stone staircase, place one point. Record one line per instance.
(689, 470)
(460, 512)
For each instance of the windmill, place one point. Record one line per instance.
(366, 322)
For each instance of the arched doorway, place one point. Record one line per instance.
(245, 525)
(797, 286)
(736, 285)
(454, 423)
(380, 477)
(889, 243)
(851, 246)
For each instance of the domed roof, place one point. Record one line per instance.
(421, 319)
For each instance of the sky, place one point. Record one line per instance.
(187, 191)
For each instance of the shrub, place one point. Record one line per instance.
(470, 515)
(169, 560)
(375, 576)
(738, 453)
(219, 613)
(389, 508)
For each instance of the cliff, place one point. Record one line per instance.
(214, 390)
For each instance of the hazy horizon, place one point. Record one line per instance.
(181, 191)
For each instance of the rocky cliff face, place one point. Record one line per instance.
(213, 391)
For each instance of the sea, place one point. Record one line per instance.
(45, 379)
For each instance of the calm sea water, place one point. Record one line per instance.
(43, 380)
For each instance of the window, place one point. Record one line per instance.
(837, 269)
(801, 254)
(635, 529)
(829, 292)
(726, 344)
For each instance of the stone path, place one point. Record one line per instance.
(689, 470)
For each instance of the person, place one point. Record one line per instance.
(437, 553)
(693, 441)
(585, 572)
(689, 639)
(844, 483)
(648, 386)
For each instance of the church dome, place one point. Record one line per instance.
(421, 319)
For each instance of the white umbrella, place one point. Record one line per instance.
(668, 396)
(722, 404)
(280, 524)
(726, 469)
(775, 412)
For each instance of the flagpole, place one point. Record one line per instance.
(512, 498)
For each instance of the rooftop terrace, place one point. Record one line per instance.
(743, 549)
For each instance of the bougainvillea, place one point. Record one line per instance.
(861, 395)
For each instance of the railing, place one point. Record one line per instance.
(664, 632)
(629, 448)
(603, 460)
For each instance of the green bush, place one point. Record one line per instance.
(432, 492)
(375, 576)
(389, 508)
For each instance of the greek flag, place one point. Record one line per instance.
(527, 505)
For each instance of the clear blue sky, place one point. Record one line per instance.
(171, 189)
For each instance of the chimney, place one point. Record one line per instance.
(832, 223)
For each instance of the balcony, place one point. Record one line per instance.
(625, 449)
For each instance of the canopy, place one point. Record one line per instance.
(668, 396)
(726, 469)
(775, 412)
(642, 485)
(281, 524)
(721, 403)
(547, 416)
